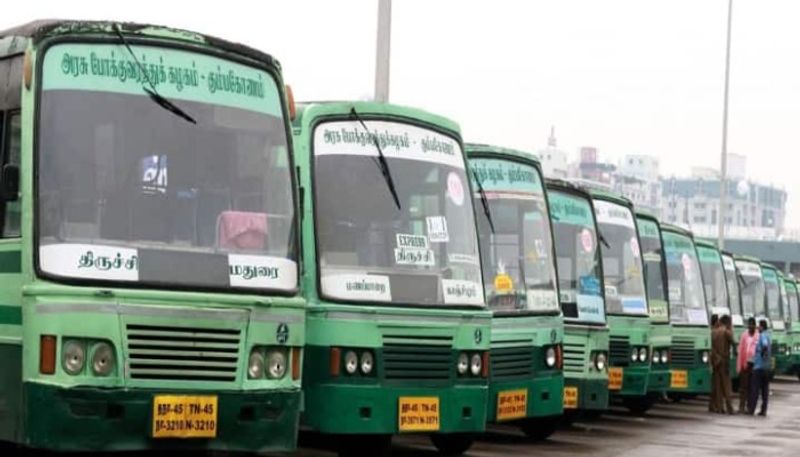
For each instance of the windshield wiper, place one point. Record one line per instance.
(603, 239)
(151, 91)
(484, 200)
(381, 162)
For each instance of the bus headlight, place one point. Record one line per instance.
(656, 356)
(704, 356)
(103, 359)
(664, 356)
(788, 350)
(367, 362)
(255, 365)
(550, 357)
(276, 364)
(634, 355)
(643, 354)
(475, 364)
(73, 357)
(600, 361)
(463, 363)
(350, 362)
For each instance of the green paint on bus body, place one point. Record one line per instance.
(515, 196)
(358, 307)
(114, 411)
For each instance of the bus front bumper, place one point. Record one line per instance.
(634, 382)
(698, 380)
(121, 419)
(375, 409)
(543, 393)
(658, 381)
(592, 393)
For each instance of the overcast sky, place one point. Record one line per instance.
(626, 76)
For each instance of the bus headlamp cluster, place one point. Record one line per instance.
(356, 361)
(639, 354)
(704, 356)
(101, 357)
(472, 364)
(661, 356)
(269, 362)
(550, 357)
(600, 360)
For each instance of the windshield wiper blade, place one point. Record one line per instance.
(484, 200)
(603, 239)
(151, 91)
(383, 164)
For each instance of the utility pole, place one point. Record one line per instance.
(383, 50)
(723, 171)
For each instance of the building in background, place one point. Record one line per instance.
(555, 162)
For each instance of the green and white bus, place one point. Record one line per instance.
(397, 329)
(751, 287)
(582, 300)
(691, 339)
(732, 283)
(655, 274)
(714, 281)
(626, 300)
(783, 351)
(149, 245)
(794, 325)
(526, 381)
(772, 286)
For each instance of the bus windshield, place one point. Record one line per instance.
(129, 191)
(519, 268)
(577, 258)
(713, 280)
(420, 250)
(685, 285)
(792, 300)
(622, 259)
(732, 284)
(773, 293)
(654, 273)
(752, 288)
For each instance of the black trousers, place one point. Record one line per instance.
(759, 384)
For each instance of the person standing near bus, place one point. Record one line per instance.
(759, 381)
(721, 342)
(714, 400)
(747, 349)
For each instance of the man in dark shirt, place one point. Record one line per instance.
(721, 342)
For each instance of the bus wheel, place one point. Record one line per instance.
(640, 405)
(361, 445)
(452, 444)
(539, 429)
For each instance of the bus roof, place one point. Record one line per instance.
(706, 244)
(769, 266)
(38, 30)
(308, 111)
(675, 229)
(478, 148)
(747, 258)
(604, 194)
(646, 215)
(563, 185)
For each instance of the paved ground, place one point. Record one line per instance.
(669, 430)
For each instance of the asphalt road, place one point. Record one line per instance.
(669, 429)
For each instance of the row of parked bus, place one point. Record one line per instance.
(190, 260)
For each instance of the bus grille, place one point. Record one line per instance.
(425, 358)
(182, 353)
(683, 353)
(619, 350)
(575, 357)
(512, 362)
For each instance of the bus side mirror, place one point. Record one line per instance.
(10, 183)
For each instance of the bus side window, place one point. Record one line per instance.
(12, 140)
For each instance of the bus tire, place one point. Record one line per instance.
(639, 405)
(452, 444)
(539, 429)
(361, 445)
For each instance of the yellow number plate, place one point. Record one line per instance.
(615, 378)
(679, 379)
(512, 404)
(185, 416)
(570, 398)
(418, 414)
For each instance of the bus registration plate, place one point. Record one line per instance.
(615, 375)
(570, 398)
(512, 404)
(418, 414)
(679, 379)
(185, 416)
